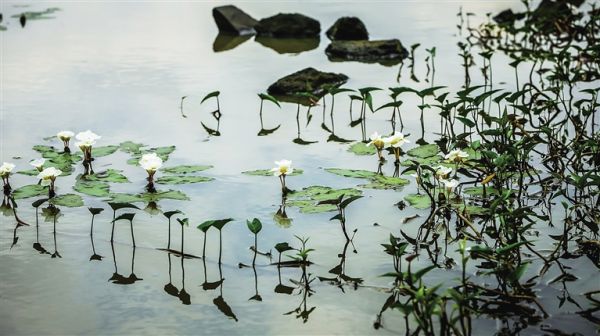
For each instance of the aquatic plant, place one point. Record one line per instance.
(5, 171)
(48, 177)
(283, 169)
(38, 164)
(395, 141)
(377, 142)
(65, 137)
(151, 163)
(86, 140)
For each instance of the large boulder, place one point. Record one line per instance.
(288, 25)
(291, 87)
(232, 20)
(386, 52)
(348, 28)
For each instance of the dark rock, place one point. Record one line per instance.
(233, 20)
(386, 52)
(290, 87)
(288, 45)
(225, 42)
(348, 28)
(288, 25)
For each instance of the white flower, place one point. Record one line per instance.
(284, 167)
(396, 140)
(6, 168)
(456, 155)
(151, 162)
(65, 135)
(86, 139)
(376, 141)
(442, 172)
(450, 185)
(48, 175)
(38, 163)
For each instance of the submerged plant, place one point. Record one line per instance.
(284, 168)
(151, 163)
(5, 171)
(65, 137)
(48, 177)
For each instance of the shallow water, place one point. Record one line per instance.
(121, 69)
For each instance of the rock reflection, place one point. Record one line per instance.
(224, 42)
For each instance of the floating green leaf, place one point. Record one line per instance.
(31, 190)
(182, 179)
(131, 147)
(68, 200)
(386, 182)
(148, 197)
(268, 172)
(424, 151)
(104, 150)
(352, 172)
(92, 188)
(30, 172)
(361, 148)
(184, 169)
(308, 198)
(418, 201)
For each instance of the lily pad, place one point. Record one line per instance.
(424, 151)
(418, 201)
(131, 147)
(182, 179)
(31, 190)
(92, 188)
(429, 161)
(104, 150)
(184, 169)
(361, 148)
(148, 197)
(30, 172)
(68, 200)
(162, 152)
(386, 182)
(58, 159)
(268, 172)
(352, 172)
(478, 191)
(308, 198)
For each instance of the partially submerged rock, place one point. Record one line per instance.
(232, 20)
(291, 87)
(386, 52)
(288, 25)
(348, 28)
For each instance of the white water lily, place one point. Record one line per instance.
(450, 185)
(284, 167)
(151, 162)
(456, 155)
(38, 163)
(377, 141)
(87, 139)
(442, 172)
(65, 136)
(5, 169)
(396, 140)
(49, 175)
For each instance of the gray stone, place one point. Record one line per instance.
(306, 80)
(288, 25)
(232, 20)
(348, 28)
(386, 52)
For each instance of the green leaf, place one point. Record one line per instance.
(282, 247)
(356, 173)
(360, 148)
(185, 179)
(148, 197)
(31, 190)
(95, 211)
(126, 216)
(268, 172)
(386, 182)
(169, 214)
(122, 205)
(183, 222)
(104, 150)
(185, 169)
(264, 96)
(92, 188)
(210, 95)
(68, 200)
(131, 147)
(349, 200)
(418, 201)
(424, 151)
(30, 172)
(254, 226)
(217, 223)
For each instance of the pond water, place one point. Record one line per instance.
(121, 69)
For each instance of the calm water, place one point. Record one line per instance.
(120, 69)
